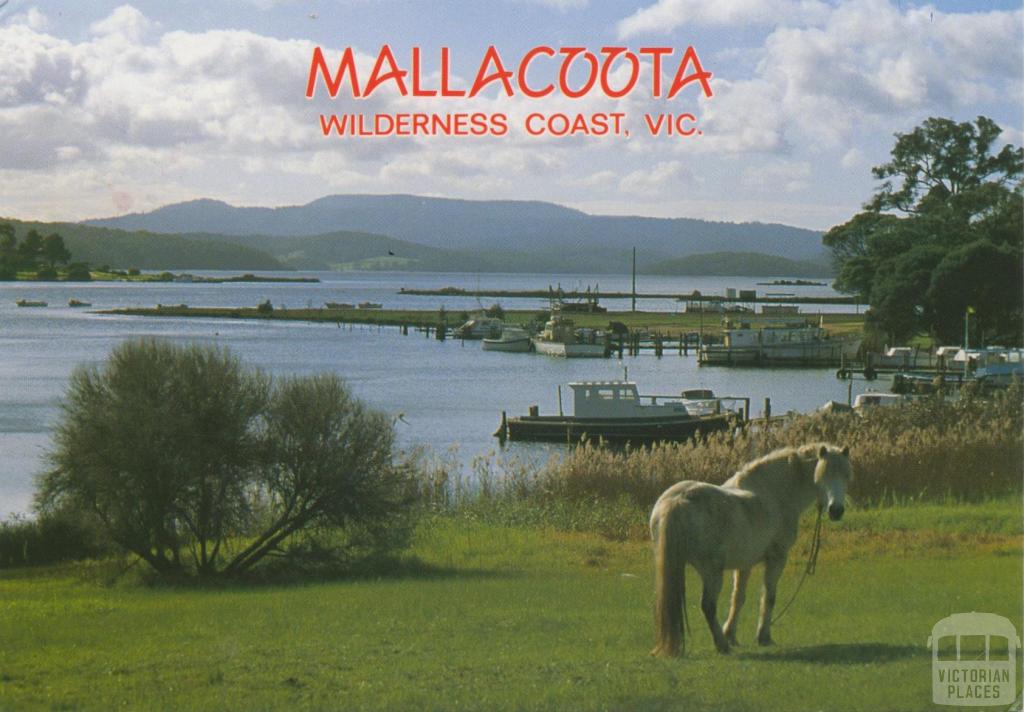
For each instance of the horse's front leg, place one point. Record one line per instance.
(739, 595)
(712, 577)
(773, 567)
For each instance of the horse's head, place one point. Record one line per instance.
(832, 475)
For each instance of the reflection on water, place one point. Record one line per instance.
(447, 392)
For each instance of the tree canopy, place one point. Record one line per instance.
(942, 233)
(197, 464)
(32, 252)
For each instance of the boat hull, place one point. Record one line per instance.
(556, 428)
(824, 353)
(517, 346)
(563, 350)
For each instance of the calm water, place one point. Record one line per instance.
(450, 394)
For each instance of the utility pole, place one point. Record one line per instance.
(634, 280)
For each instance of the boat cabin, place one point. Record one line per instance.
(621, 399)
(744, 335)
(872, 399)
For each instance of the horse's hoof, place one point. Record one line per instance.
(765, 640)
(723, 648)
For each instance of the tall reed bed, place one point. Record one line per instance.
(928, 450)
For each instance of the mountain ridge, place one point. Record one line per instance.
(470, 225)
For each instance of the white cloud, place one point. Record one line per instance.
(664, 16)
(778, 174)
(663, 178)
(134, 114)
(125, 21)
(852, 158)
(861, 66)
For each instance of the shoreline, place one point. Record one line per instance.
(665, 323)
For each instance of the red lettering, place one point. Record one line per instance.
(634, 64)
(318, 65)
(499, 74)
(656, 54)
(563, 75)
(393, 73)
(416, 89)
(698, 74)
(445, 89)
(524, 65)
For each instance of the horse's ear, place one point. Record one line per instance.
(846, 450)
(823, 452)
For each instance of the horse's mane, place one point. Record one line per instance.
(779, 463)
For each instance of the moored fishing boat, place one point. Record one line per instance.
(616, 412)
(778, 344)
(560, 337)
(480, 327)
(30, 303)
(78, 303)
(512, 340)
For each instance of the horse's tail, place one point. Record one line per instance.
(670, 587)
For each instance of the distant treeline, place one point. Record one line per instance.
(345, 250)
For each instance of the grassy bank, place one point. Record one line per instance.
(926, 451)
(480, 616)
(668, 324)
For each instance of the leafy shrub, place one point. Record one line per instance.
(196, 464)
(78, 272)
(60, 536)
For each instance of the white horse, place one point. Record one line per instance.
(751, 518)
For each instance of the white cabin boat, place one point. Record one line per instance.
(512, 340)
(871, 399)
(560, 337)
(480, 327)
(785, 343)
(616, 411)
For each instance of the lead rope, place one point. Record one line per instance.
(812, 564)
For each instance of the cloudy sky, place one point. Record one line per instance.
(107, 107)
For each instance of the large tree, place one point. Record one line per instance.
(197, 464)
(946, 188)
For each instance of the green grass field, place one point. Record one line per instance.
(484, 617)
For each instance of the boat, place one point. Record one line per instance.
(369, 305)
(560, 337)
(614, 411)
(30, 303)
(873, 399)
(480, 327)
(78, 303)
(512, 340)
(338, 305)
(778, 344)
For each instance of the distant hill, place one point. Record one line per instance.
(477, 226)
(739, 264)
(123, 250)
(342, 251)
